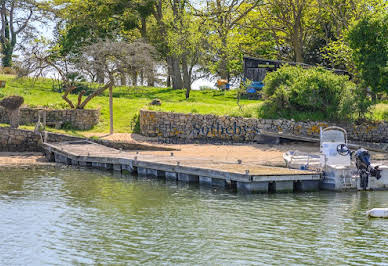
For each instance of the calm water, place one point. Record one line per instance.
(70, 216)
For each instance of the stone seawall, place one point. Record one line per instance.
(16, 140)
(78, 119)
(237, 129)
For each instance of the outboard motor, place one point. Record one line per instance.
(364, 168)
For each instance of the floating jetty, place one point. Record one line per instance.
(237, 176)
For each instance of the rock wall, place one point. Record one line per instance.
(237, 129)
(16, 140)
(78, 119)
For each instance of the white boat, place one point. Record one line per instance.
(378, 213)
(335, 162)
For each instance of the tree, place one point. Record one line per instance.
(180, 38)
(338, 54)
(302, 28)
(186, 41)
(327, 45)
(223, 18)
(112, 59)
(16, 22)
(161, 39)
(82, 22)
(291, 22)
(368, 39)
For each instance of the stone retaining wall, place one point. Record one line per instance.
(78, 119)
(237, 129)
(16, 140)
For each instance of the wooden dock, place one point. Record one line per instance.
(239, 176)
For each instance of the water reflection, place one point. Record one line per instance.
(69, 216)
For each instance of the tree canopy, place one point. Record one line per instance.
(196, 39)
(368, 39)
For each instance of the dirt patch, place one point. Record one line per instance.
(22, 158)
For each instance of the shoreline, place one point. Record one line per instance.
(23, 159)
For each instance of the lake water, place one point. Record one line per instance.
(70, 216)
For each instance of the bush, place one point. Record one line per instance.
(12, 102)
(284, 76)
(294, 89)
(135, 124)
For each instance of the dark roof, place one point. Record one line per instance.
(278, 63)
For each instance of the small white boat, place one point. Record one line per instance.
(378, 213)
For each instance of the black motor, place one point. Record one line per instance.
(364, 168)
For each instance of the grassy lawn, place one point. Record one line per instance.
(129, 100)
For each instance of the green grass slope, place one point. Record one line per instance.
(129, 100)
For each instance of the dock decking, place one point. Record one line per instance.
(242, 177)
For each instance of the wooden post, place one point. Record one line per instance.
(111, 108)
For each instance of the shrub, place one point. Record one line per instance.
(284, 76)
(294, 89)
(135, 124)
(12, 102)
(12, 105)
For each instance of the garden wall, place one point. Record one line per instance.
(78, 119)
(237, 129)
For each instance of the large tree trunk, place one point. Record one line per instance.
(134, 78)
(100, 75)
(168, 82)
(223, 66)
(186, 77)
(151, 78)
(298, 50)
(7, 52)
(298, 41)
(8, 42)
(143, 30)
(123, 79)
(141, 78)
(177, 82)
(169, 71)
